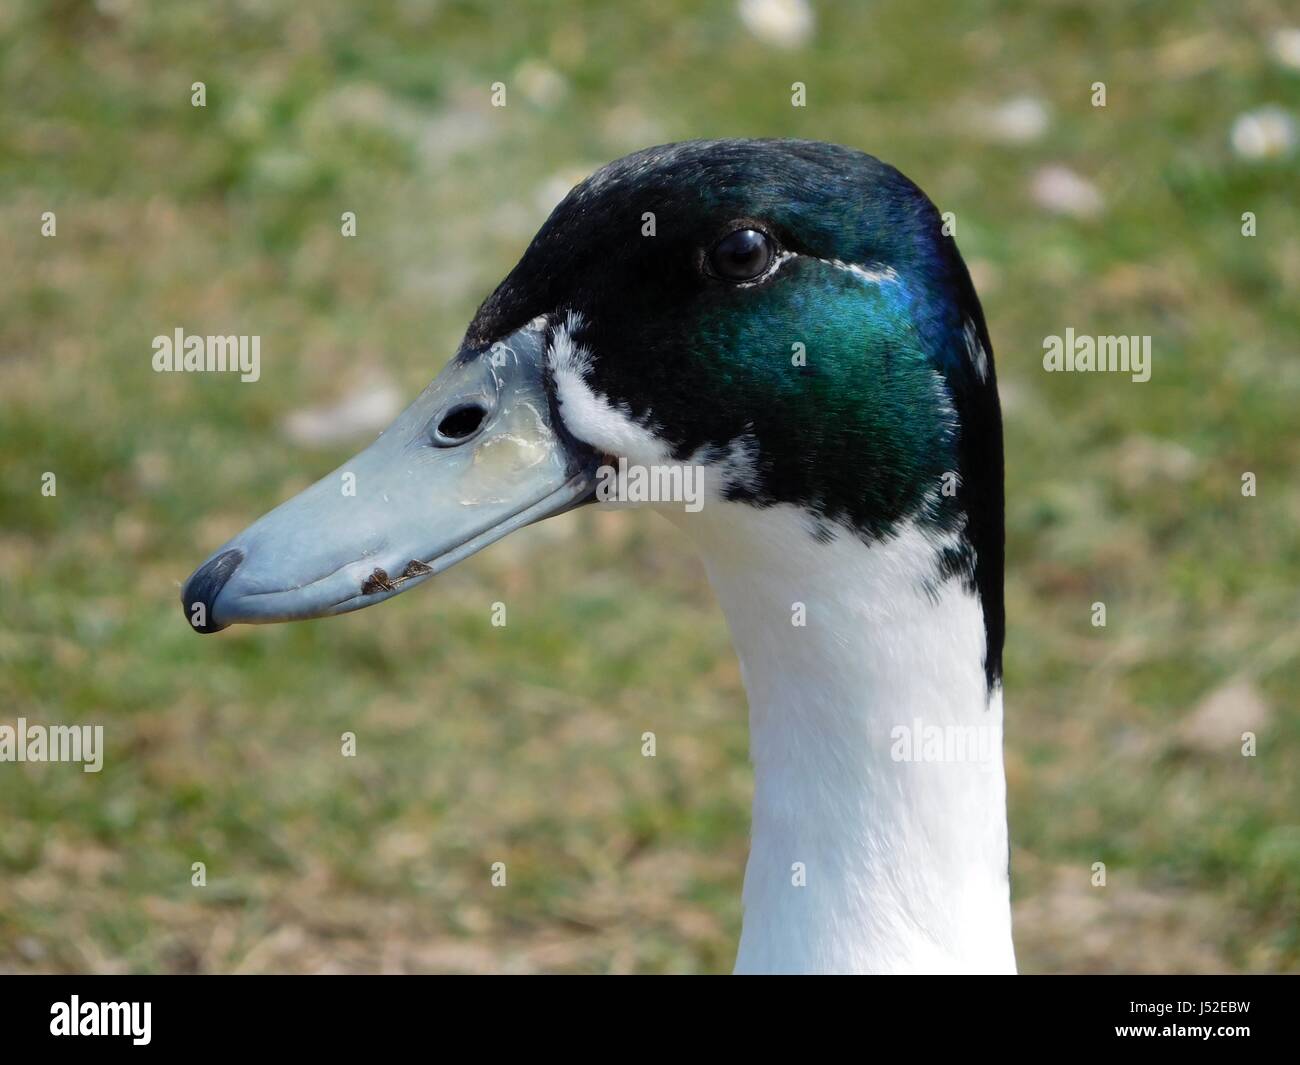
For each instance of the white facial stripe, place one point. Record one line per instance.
(886, 276)
(611, 428)
(592, 418)
(565, 354)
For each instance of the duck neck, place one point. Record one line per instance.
(879, 838)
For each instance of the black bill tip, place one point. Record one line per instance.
(203, 587)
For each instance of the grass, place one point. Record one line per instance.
(521, 744)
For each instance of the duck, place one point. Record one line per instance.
(791, 321)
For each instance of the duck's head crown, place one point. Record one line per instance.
(852, 373)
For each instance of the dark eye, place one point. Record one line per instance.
(742, 255)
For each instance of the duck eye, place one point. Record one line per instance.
(742, 255)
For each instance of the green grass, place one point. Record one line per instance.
(522, 744)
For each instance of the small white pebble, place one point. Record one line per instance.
(1267, 133)
(1016, 121)
(1061, 191)
(541, 84)
(1285, 46)
(783, 23)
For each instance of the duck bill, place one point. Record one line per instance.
(478, 455)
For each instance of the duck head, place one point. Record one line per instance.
(788, 318)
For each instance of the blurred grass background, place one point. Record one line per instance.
(522, 744)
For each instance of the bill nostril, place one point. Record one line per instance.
(459, 424)
(203, 587)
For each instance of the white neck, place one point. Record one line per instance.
(877, 752)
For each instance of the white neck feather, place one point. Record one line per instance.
(877, 751)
